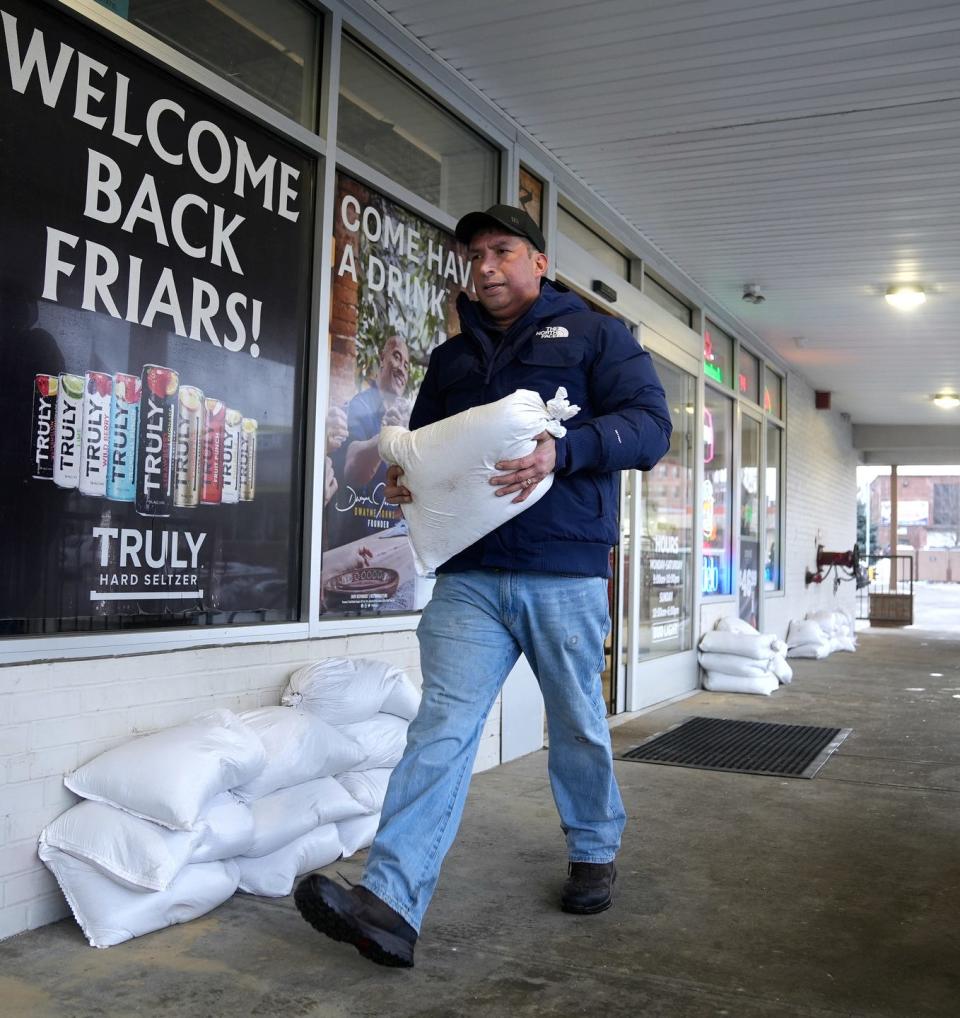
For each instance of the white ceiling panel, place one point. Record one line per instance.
(811, 147)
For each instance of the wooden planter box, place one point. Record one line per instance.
(891, 609)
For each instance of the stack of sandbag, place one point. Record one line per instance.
(174, 822)
(151, 844)
(295, 800)
(373, 703)
(806, 638)
(838, 627)
(820, 634)
(739, 659)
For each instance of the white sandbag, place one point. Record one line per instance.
(717, 682)
(823, 618)
(844, 643)
(273, 875)
(300, 746)
(730, 664)
(136, 853)
(733, 624)
(780, 668)
(833, 622)
(109, 913)
(289, 813)
(779, 647)
(358, 833)
(368, 787)
(343, 690)
(752, 645)
(805, 631)
(447, 467)
(403, 700)
(171, 776)
(225, 829)
(810, 650)
(382, 738)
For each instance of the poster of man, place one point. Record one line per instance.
(395, 283)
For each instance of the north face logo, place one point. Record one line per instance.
(553, 332)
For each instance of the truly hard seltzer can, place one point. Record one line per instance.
(189, 469)
(43, 429)
(95, 435)
(248, 459)
(156, 441)
(66, 459)
(231, 457)
(124, 418)
(214, 417)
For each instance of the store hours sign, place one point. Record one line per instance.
(154, 283)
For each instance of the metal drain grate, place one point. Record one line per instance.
(745, 747)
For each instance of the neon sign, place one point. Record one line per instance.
(711, 574)
(710, 368)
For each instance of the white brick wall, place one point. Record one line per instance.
(57, 715)
(821, 500)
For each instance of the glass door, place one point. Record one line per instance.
(664, 544)
(749, 575)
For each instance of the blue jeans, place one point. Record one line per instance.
(471, 634)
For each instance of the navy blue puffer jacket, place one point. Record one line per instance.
(623, 424)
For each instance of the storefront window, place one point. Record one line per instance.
(772, 393)
(748, 376)
(718, 355)
(717, 459)
(771, 482)
(270, 50)
(396, 278)
(666, 532)
(659, 294)
(395, 128)
(531, 195)
(581, 234)
(154, 323)
(749, 519)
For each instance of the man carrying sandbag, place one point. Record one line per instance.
(536, 585)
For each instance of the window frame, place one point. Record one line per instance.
(321, 145)
(743, 404)
(732, 496)
(389, 186)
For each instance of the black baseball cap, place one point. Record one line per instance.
(505, 217)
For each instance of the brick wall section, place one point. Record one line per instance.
(57, 715)
(821, 498)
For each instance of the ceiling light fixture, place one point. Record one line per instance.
(906, 296)
(946, 400)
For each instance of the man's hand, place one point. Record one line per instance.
(394, 491)
(329, 480)
(336, 428)
(397, 414)
(525, 474)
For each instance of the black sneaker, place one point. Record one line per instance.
(589, 887)
(357, 916)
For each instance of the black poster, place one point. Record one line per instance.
(154, 279)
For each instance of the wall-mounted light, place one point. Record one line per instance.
(906, 296)
(946, 400)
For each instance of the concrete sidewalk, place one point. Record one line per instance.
(739, 895)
